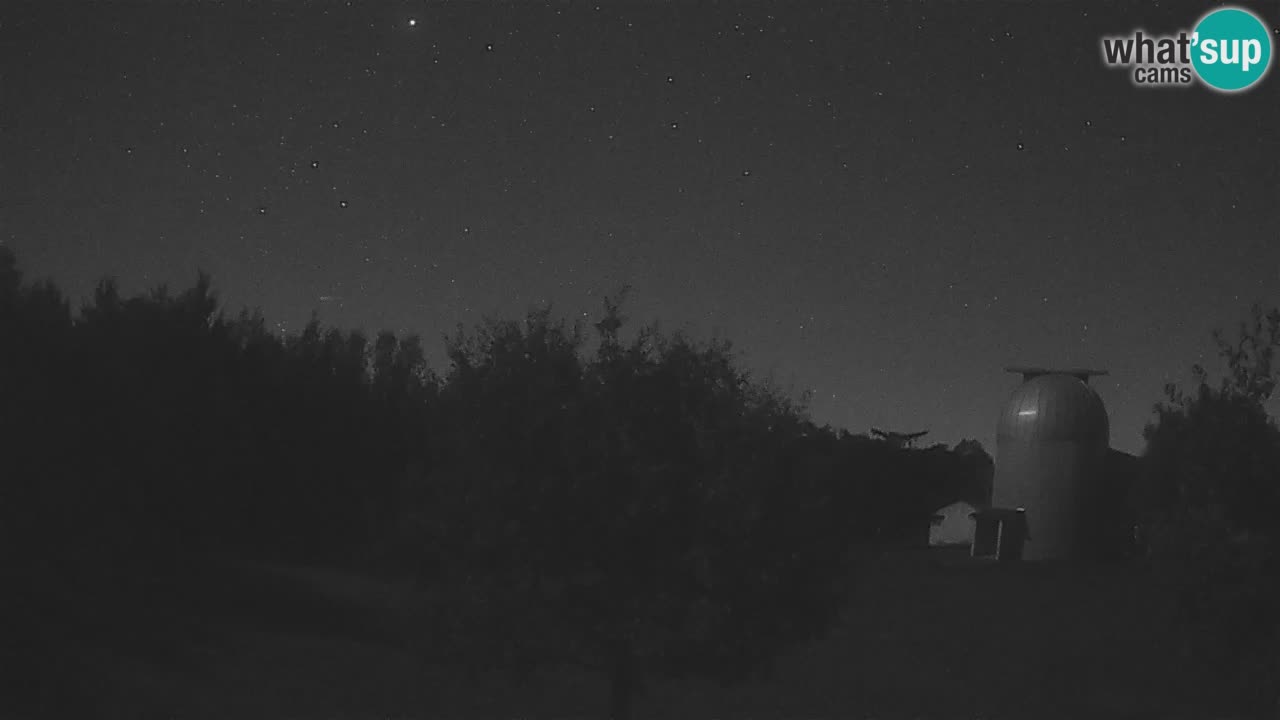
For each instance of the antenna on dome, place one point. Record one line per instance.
(1081, 374)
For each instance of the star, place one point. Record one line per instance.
(413, 22)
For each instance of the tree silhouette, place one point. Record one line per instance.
(1210, 494)
(640, 506)
(646, 509)
(149, 431)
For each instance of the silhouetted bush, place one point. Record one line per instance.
(647, 507)
(149, 432)
(1210, 496)
(642, 507)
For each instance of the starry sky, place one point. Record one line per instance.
(885, 203)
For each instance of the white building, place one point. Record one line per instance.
(952, 525)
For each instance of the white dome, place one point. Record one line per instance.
(1051, 444)
(1054, 407)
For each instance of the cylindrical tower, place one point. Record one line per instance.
(1051, 443)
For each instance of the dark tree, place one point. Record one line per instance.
(978, 469)
(643, 509)
(150, 431)
(148, 435)
(1210, 496)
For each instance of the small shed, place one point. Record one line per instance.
(999, 534)
(952, 525)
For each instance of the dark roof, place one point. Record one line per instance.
(997, 513)
(1029, 372)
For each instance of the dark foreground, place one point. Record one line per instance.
(921, 641)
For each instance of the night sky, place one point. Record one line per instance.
(886, 203)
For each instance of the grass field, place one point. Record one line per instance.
(923, 639)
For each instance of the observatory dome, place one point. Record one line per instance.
(1051, 445)
(1054, 407)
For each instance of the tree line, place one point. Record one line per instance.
(641, 494)
(629, 500)
(1209, 502)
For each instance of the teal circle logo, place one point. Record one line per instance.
(1231, 49)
